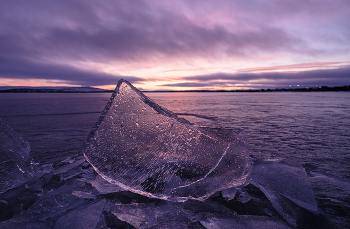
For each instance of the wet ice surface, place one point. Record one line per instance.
(149, 150)
(77, 195)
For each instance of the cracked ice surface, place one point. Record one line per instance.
(147, 149)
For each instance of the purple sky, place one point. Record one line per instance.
(175, 45)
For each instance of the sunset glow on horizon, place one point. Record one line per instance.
(175, 45)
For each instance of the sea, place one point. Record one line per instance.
(311, 129)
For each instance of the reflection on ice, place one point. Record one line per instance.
(149, 150)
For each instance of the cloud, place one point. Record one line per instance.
(23, 69)
(329, 77)
(125, 33)
(39, 35)
(304, 66)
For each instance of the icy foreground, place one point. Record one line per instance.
(147, 149)
(75, 196)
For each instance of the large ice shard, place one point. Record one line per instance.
(284, 184)
(15, 163)
(146, 149)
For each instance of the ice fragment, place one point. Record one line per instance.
(243, 222)
(149, 150)
(15, 163)
(70, 166)
(243, 197)
(283, 184)
(85, 195)
(85, 217)
(229, 194)
(104, 187)
(138, 215)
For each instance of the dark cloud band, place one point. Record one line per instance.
(23, 69)
(329, 77)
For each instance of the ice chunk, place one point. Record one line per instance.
(24, 223)
(85, 195)
(15, 163)
(244, 197)
(87, 175)
(55, 204)
(229, 194)
(149, 150)
(161, 215)
(243, 222)
(85, 217)
(281, 184)
(174, 216)
(73, 164)
(138, 215)
(104, 187)
(73, 169)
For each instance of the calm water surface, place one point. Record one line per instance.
(312, 129)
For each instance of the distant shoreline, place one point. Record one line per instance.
(97, 90)
(49, 91)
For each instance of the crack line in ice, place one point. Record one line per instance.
(211, 170)
(20, 169)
